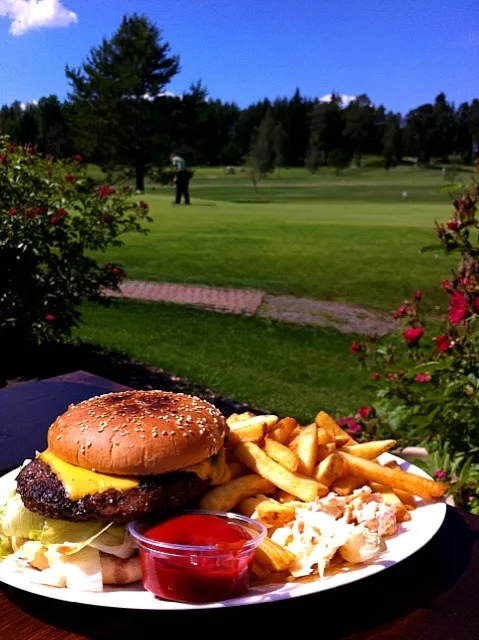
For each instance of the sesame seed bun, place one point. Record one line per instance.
(138, 433)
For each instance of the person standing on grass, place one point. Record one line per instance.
(182, 178)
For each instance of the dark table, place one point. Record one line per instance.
(431, 596)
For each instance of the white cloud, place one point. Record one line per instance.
(345, 99)
(27, 15)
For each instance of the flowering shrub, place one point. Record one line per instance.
(428, 376)
(53, 219)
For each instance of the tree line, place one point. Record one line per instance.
(119, 114)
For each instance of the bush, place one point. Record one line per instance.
(53, 219)
(428, 376)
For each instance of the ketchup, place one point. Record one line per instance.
(205, 575)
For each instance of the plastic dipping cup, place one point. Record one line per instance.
(198, 573)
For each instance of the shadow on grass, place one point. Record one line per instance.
(58, 359)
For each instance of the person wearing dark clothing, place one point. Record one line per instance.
(182, 179)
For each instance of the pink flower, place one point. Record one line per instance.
(116, 271)
(70, 178)
(422, 377)
(354, 348)
(350, 425)
(50, 317)
(476, 304)
(418, 295)
(78, 158)
(457, 308)
(375, 376)
(453, 225)
(440, 473)
(400, 312)
(443, 343)
(413, 335)
(55, 219)
(12, 148)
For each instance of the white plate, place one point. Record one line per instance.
(412, 535)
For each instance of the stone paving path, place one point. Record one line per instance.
(343, 317)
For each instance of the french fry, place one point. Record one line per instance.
(329, 469)
(275, 514)
(258, 572)
(286, 457)
(237, 469)
(391, 499)
(304, 488)
(406, 498)
(307, 449)
(293, 436)
(282, 430)
(225, 496)
(369, 450)
(325, 450)
(394, 478)
(249, 505)
(237, 417)
(247, 433)
(324, 437)
(273, 557)
(341, 440)
(347, 484)
(284, 496)
(323, 420)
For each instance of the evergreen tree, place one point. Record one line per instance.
(113, 92)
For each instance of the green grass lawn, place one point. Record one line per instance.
(279, 368)
(346, 238)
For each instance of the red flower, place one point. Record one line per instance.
(11, 212)
(413, 335)
(78, 158)
(61, 212)
(30, 149)
(446, 285)
(31, 213)
(50, 318)
(422, 377)
(443, 343)
(143, 205)
(12, 148)
(70, 178)
(39, 211)
(476, 304)
(440, 473)
(457, 307)
(418, 295)
(375, 376)
(116, 271)
(354, 348)
(3, 158)
(352, 426)
(453, 225)
(108, 220)
(55, 219)
(365, 412)
(104, 191)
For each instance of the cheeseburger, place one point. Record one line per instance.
(110, 460)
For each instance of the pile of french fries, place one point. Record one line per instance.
(275, 463)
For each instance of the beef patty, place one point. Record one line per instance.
(42, 492)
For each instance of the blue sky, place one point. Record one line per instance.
(400, 52)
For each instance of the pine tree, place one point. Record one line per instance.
(113, 94)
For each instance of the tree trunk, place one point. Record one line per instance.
(140, 178)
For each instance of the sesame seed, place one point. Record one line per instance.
(88, 444)
(59, 437)
(185, 435)
(172, 433)
(117, 443)
(103, 423)
(142, 436)
(131, 446)
(164, 432)
(155, 435)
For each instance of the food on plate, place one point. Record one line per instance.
(198, 557)
(323, 499)
(110, 460)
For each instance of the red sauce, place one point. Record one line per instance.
(205, 576)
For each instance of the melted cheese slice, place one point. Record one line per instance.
(79, 482)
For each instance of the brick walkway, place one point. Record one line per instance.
(345, 318)
(224, 300)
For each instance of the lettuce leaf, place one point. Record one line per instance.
(116, 541)
(18, 521)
